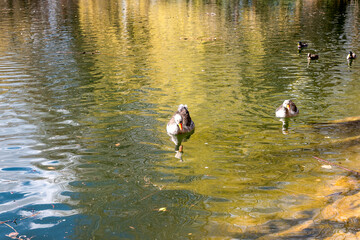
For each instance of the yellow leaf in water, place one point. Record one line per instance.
(326, 166)
(163, 209)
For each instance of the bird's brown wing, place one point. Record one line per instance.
(185, 116)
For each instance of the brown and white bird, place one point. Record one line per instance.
(180, 122)
(313, 56)
(351, 55)
(287, 109)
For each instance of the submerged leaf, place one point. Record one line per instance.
(326, 166)
(163, 209)
(13, 235)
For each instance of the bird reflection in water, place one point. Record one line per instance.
(180, 128)
(285, 125)
(178, 140)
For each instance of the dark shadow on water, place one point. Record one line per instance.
(349, 127)
(302, 228)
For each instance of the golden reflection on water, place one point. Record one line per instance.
(172, 46)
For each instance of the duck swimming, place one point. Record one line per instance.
(313, 56)
(287, 109)
(351, 55)
(301, 45)
(180, 122)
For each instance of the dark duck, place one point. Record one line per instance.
(351, 56)
(313, 56)
(302, 45)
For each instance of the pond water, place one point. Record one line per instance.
(87, 87)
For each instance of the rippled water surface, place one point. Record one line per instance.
(87, 87)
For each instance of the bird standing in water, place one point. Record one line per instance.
(287, 109)
(180, 128)
(180, 122)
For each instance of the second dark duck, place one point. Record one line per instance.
(313, 56)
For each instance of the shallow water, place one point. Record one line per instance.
(87, 87)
